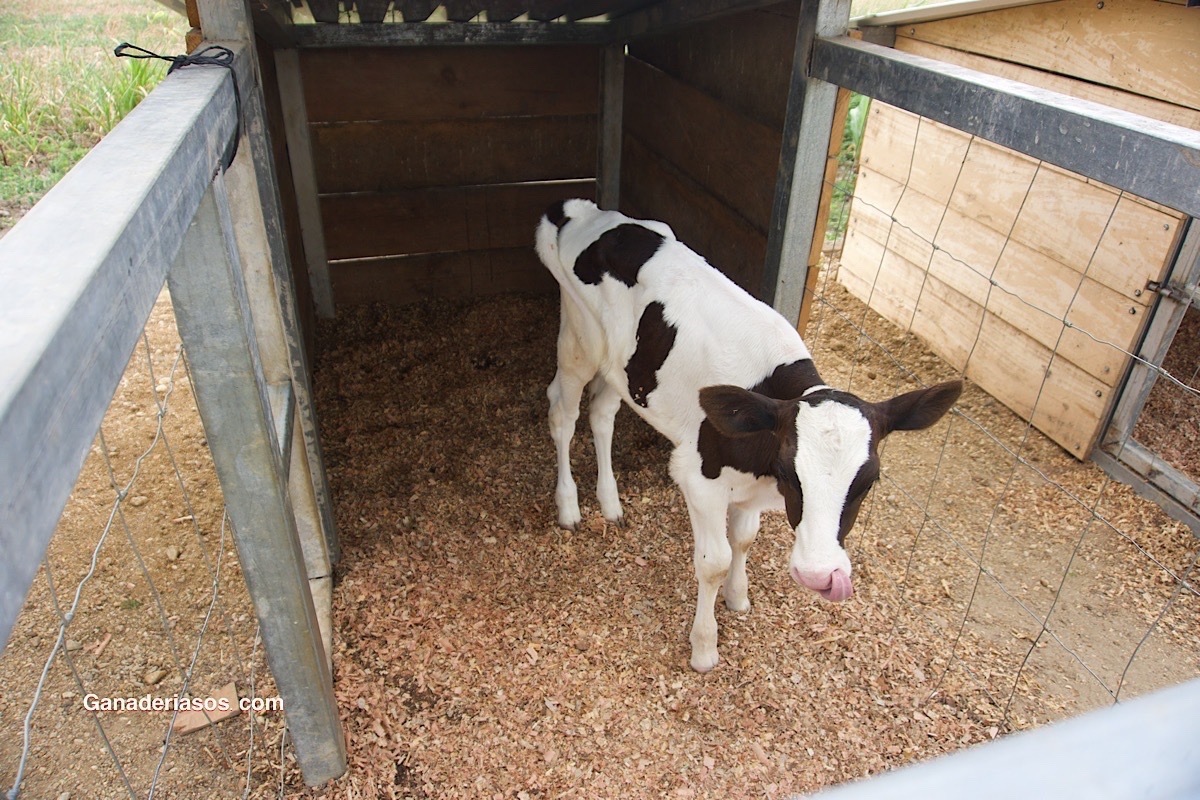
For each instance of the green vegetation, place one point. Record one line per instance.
(843, 185)
(61, 88)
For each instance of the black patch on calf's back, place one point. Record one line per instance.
(655, 338)
(619, 252)
(557, 214)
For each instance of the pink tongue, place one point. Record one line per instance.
(840, 587)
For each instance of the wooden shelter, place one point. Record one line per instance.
(1010, 267)
(417, 144)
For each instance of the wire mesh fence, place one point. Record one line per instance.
(136, 667)
(1052, 586)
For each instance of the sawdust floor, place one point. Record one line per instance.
(480, 651)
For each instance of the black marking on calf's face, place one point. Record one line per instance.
(773, 453)
(655, 338)
(619, 252)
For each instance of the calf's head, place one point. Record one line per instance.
(822, 450)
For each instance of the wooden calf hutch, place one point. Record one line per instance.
(391, 151)
(1040, 283)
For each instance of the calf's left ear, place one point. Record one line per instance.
(914, 411)
(734, 411)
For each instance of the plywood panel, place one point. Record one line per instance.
(1135, 249)
(744, 60)
(889, 141)
(1034, 293)
(363, 225)
(948, 321)
(992, 185)
(399, 281)
(877, 190)
(380, 156)
(1137, 46)
(431, 83)
(1146, 106)
(653, 188)
(968, 252)
(734, 157)
(1063, 217)
(936, 177)
(1012, 367)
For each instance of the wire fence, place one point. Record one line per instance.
(136, 667)
(1054, 587)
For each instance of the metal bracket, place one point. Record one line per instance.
(1180, 294)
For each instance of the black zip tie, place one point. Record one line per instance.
(222, 57)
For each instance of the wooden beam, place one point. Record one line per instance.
(213, 312)
(1149, 158)
(304, 175)
(80, 274)
(799, 184)
(429, 34)
(612, 101)
(671, 14)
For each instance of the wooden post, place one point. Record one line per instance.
(840, 111)
(230, 20)
(214, 315)
(806, 128)
(304, 174)
(612, 101)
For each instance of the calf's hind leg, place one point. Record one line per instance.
(602, 412)
(564, 393)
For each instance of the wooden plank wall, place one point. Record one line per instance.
(704, 111)
(434, 164)
(987, 260)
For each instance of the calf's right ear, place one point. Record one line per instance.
(734, 411)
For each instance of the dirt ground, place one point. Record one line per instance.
(480, 651)
(1170, 423)
(141, 615)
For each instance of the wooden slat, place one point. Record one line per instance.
(733, 157)
(1146, 106)
(357, 157)
(399, 281)
(1010, 367)
(391, 84)
(366, 225)
(464, 34)
(1063, 217)
(653, 188)
(1145, 48)
(743, 60)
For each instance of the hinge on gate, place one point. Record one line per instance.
(1179, 294)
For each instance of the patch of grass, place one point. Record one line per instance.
(847, 172)
(61, 88)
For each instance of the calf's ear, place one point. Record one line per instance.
(914, 411)
(734, 411)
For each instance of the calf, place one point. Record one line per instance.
(730, 383)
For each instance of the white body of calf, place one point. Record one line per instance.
(729, 381)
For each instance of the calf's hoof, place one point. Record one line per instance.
(704, 661)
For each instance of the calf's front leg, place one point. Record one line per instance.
(711, 558)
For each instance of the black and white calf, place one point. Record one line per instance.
(730, 383)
